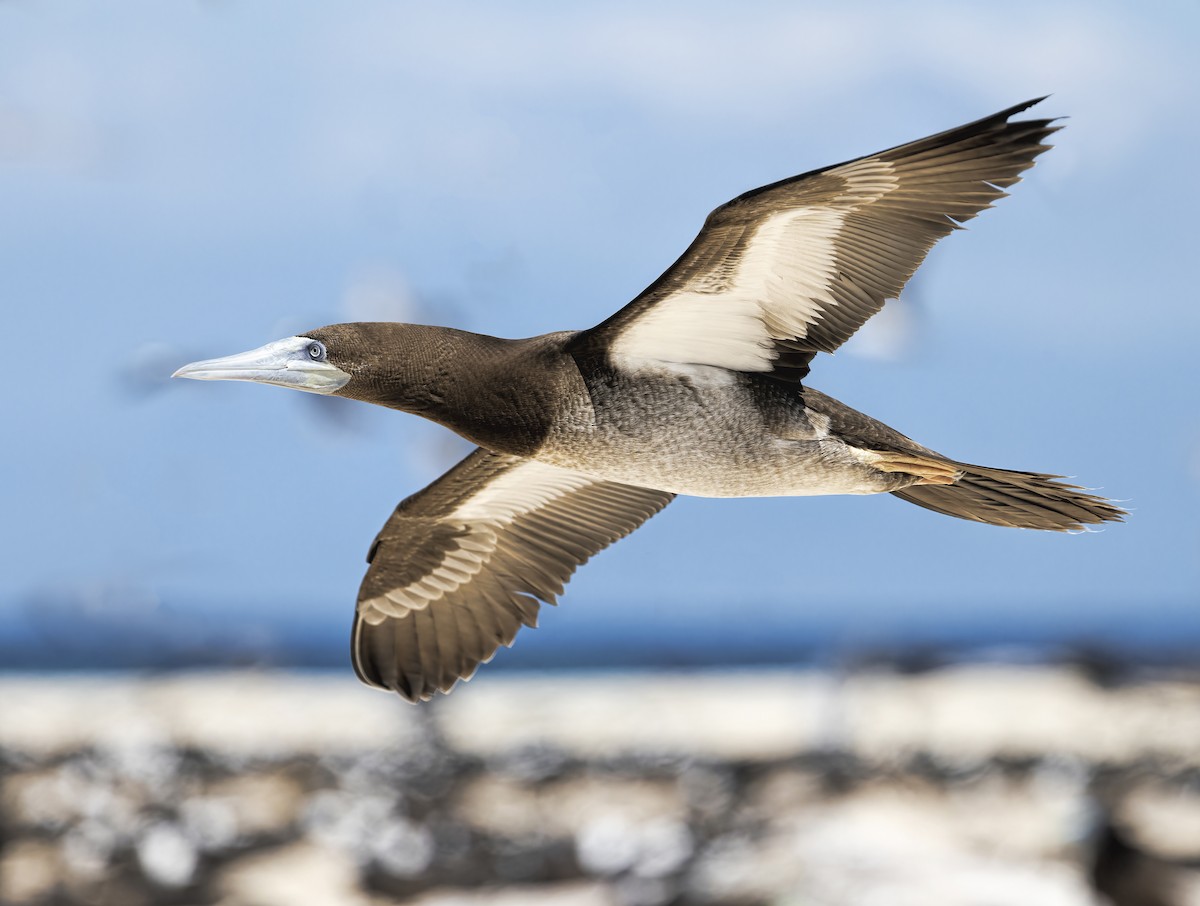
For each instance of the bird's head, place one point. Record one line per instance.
(325, 360)
(411, 367)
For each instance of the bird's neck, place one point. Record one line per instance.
(487, 389)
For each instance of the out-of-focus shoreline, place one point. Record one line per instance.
(763, 786)
(959, 712)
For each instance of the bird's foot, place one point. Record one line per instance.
(926, 471)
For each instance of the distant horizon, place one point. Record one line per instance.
(174, 636)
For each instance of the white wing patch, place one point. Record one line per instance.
(527, 486)
(794, 269)
(780, 286)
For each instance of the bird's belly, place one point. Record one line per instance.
(707, 450)
(782, 469)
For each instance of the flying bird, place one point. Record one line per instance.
(698, 386)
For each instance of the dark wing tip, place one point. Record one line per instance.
(1023, 106)
(373, 655)
(1026, 134)
(401, 655)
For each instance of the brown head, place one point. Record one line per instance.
(431, 371)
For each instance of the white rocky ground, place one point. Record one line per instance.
(971, 786)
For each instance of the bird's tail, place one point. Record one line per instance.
(1017, 499)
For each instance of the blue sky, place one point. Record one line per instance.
(180, 181)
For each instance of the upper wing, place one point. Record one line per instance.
(795, 268)
(461, 565)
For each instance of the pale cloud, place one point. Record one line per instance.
(767, 64)
(400, 94)
(700, 61)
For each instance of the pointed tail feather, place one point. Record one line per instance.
(1017, 499)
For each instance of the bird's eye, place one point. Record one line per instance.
(316, 351)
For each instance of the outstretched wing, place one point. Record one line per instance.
(463, 564)
(795, 268)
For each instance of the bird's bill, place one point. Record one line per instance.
(285, 363)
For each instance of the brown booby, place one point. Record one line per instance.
(696, 387)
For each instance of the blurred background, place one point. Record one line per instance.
(191, 180)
